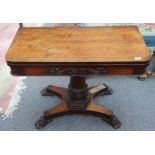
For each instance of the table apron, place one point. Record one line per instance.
(58, 70)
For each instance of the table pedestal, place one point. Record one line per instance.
(78, 99)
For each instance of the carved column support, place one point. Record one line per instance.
(78, 94)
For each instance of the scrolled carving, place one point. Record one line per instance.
(77, 71)
(101, 70)
(78, 98)
(54, 70)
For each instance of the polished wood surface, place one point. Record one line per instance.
(65, 108)
(78, 52)
(87, 44)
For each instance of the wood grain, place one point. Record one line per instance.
(87, 44)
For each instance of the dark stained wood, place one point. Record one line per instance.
(78, 94)
(62, 69)
(64, 107)
(21, 25)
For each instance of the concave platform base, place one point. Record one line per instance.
(77, 99)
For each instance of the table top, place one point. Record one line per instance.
(78, 44)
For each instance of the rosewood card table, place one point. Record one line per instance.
(78, 52)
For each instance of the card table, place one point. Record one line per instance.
(78, 52)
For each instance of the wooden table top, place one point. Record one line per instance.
(87, 44)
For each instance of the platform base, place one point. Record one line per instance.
(90, 108)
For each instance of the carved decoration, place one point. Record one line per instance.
(78, 98)
(77, 71)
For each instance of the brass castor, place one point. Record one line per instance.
(113, 121)
(142, 77)
(44, 92)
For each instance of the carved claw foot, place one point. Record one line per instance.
(109, 91)
(113, 121)
(44, 92)
(42, 122)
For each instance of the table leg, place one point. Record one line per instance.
(53, 90)
(78, 99)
